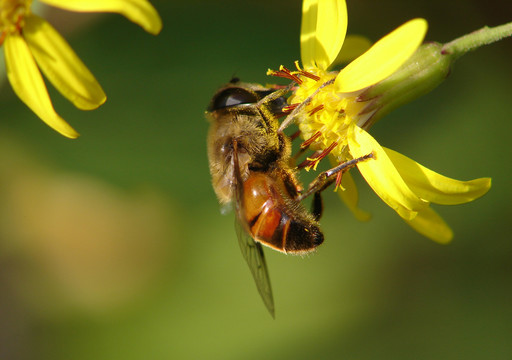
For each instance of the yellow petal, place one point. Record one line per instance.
(61, 65)
(140, 12)
(383, 58)
(382, 176)
(28, 84)
(434, 187)
(350, 197)
(323, 29)
(431, 225)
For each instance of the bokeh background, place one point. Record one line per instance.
(113, 246)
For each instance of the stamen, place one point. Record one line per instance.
(327, 151)
(306, 73)
(284, 73)
(307, 161)
(309, 75)
(316, 109)
(276, 86)
(314, 162)
(289, 108)
(309, 141)
(295, 135)
(19, 25)
(338, 180)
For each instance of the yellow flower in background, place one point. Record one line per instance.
(336, 118)
(31, 44)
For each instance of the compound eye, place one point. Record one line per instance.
(232, 97)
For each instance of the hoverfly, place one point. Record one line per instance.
(251, 166)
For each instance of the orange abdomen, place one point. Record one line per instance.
(272, 221)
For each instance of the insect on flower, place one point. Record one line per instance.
(341, 107)
(251, 165)
(250, 156)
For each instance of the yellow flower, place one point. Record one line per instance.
(30, 43)
(336, 118)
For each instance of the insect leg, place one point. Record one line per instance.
(317, 207)
(291, 116)
(275, 95)
(326, 178)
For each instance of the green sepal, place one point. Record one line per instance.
(423, 72)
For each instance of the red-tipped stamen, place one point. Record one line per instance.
(309, 141)
(276, 86)
(338, 180)
(19, 26)
(307, 161)
(314, 161)
(289, 108)
(316, 109)
(309, 75)
(295, 135)
(306, 73)
(285, 73)
(303, 164)
(327, 151)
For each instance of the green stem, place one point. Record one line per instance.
(484, 36)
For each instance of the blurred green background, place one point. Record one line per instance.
(112, 245)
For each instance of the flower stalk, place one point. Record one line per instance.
(476, 39)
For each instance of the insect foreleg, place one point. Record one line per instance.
(326, 178)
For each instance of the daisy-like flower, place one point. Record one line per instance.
(339, 111)
(32, 44)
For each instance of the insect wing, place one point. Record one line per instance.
(253, 254)
(251, 250)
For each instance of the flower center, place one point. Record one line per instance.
(12, 13)
(328, 115)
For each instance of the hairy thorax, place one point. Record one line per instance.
(258, 146)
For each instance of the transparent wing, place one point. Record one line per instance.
(251, 250)
(253, 254)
